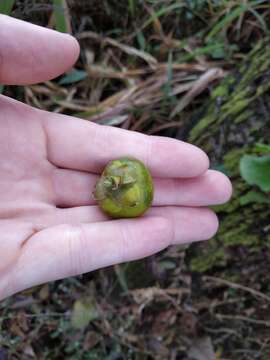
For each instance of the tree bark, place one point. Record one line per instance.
(236, 117)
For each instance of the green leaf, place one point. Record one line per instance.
(235, 13)
(115, 120)
(73, 77)
(166, 265)
(201, 349)
(83, 313)
(61, 16)
(141, 40)
(254, 197)
(120, 271)
(131, 6)
(256, 171)
(6, 6)
(227, 20)
(163, 11)
(262, 148)
(221, 168)
(2, 89)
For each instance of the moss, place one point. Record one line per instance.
(231, 161)
(243, 116)
(221, 91)
(234, 108)
(237, 94)
(267, 243)
(237, 222)
(201, 126)
(243, 96)
(239, 236)
(213, 257)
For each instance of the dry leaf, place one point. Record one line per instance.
(202, 349)
(83, 312)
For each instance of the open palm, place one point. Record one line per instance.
(50, 225)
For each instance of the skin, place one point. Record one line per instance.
(50, 226)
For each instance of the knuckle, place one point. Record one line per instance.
(149, 145)
(126, 240)
(76, 242)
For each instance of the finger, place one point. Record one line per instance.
(190, 223)
(82, 145)
(68, 250)
(74, 188)
(31, 54)
(211, 188)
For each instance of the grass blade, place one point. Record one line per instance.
(162, 12)
(61, 16)
(73, 76)
(6, 6)
(234, 14)
(260, 20)
(226, 21)
(131, 5)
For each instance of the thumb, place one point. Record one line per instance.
(31, 54)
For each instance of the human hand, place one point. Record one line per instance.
(50, 225)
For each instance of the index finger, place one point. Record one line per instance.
(81, 145)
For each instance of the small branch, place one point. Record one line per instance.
(233, 285)
(242, 318)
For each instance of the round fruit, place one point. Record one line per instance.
(125, 188)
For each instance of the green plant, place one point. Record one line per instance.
(256, 171)
(6, 6)
(61, 16)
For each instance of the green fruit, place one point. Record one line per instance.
(125, 188)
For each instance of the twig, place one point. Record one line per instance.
(237, 286)
(199, 86)
(126, 48)
(243, 318)
(37, 316)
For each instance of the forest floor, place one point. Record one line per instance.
(138, 59)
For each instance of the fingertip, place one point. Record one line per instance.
(203, 161)
(221, 186)
(73, 46)
(65, 56)
(195, 161)
(209, 224)
(175, 158)
(227, 189)
(32, 54)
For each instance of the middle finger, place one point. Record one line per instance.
(74, 188)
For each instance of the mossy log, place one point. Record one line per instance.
(236, 117)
